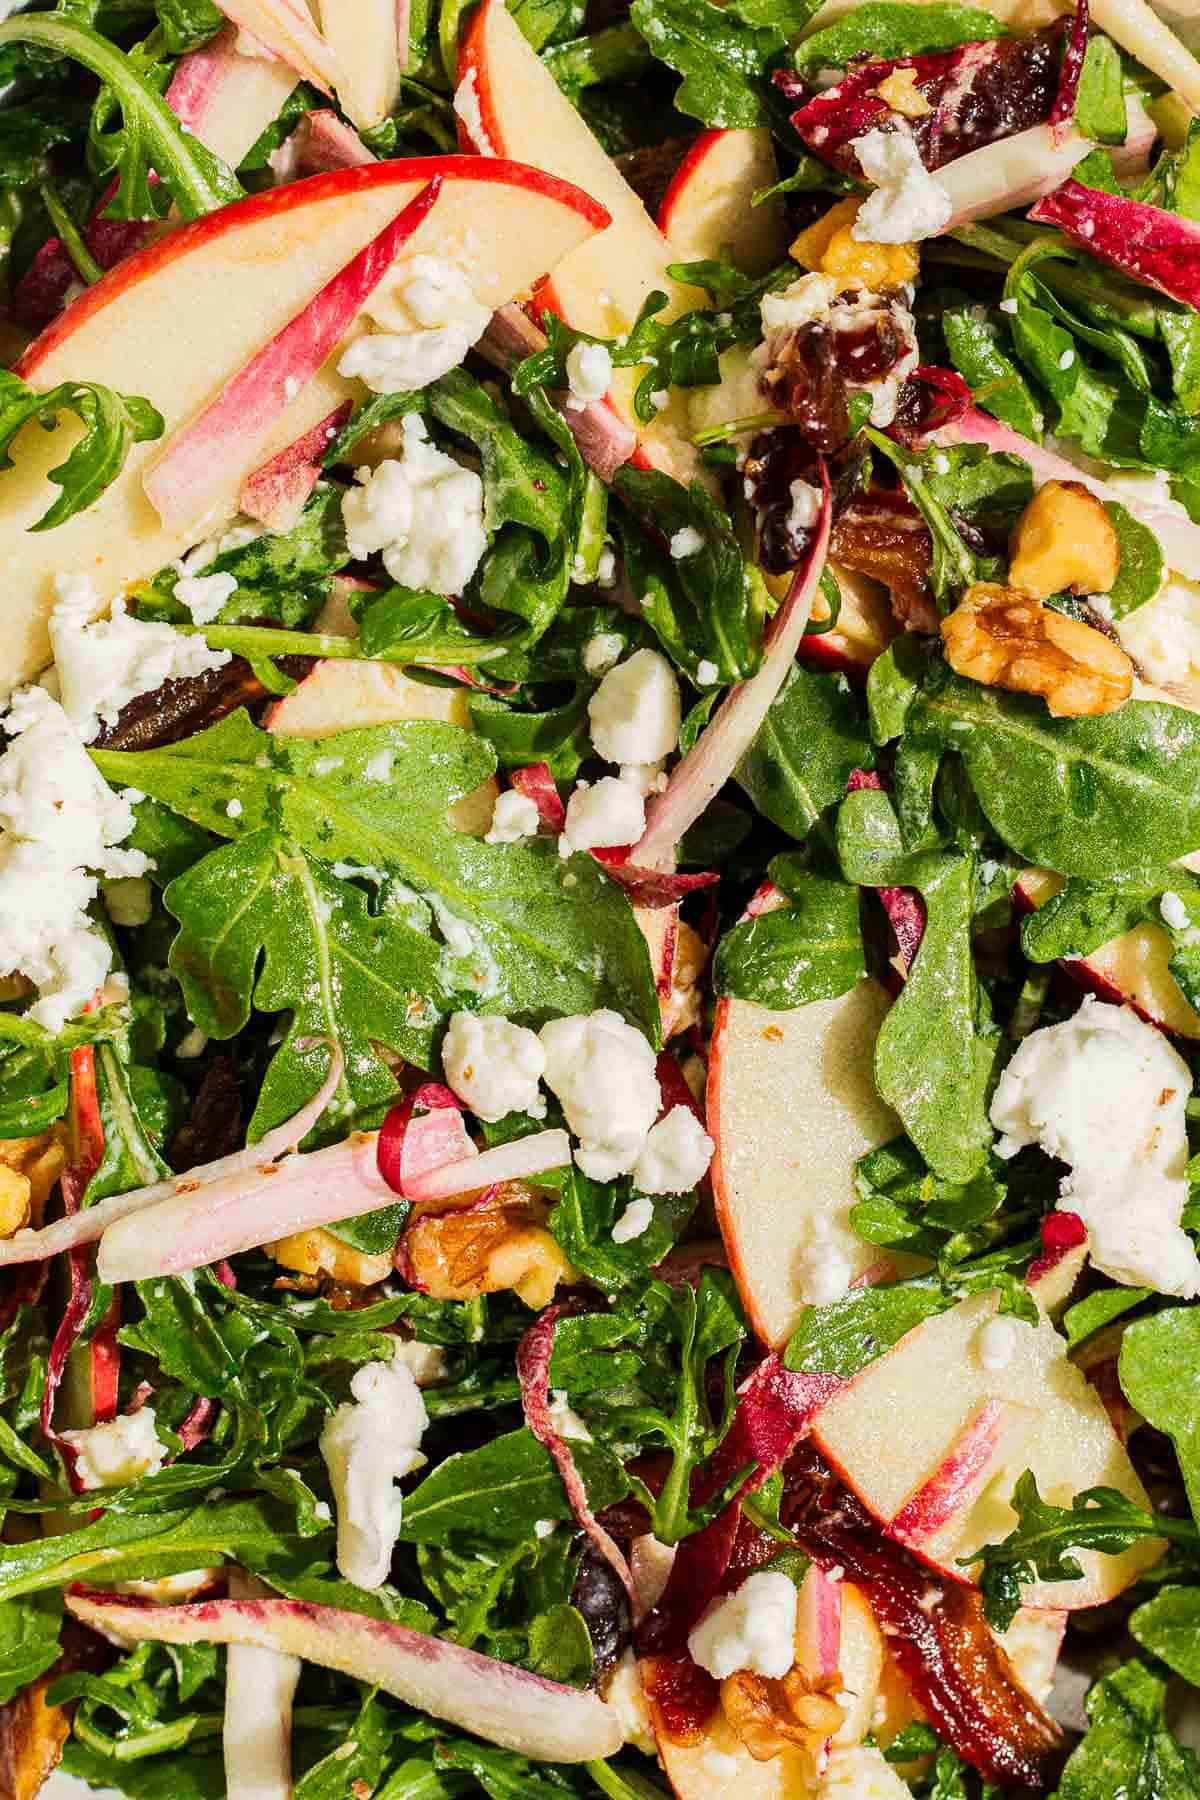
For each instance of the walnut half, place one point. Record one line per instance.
(769, 1715)
(1010, 640)
(1064, 540)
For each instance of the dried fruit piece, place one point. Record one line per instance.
(884, 536)
(1064, 540)
(1006, 639)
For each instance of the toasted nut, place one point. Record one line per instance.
(769, 1715)
(318, 1252)
(1064, 540)
(830, 247)
(39, 1161)
(14, 1201)
(499, 1242)
(1004, 639)
(901, 93)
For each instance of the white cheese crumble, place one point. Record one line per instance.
(707, 673)
(1106, 1093)
(565, 1420)
(675, 1156)
(635, 712)
(603, 814)
(908, 203)
(628, 1700)
(60, 825)
(647, 778)
(602, 1072)
(493, 1066)
(806, 505)
(514, 816)
(1174, 912)
(368, 1444)
(825, 1271)
(687, 541)
(423, 512)
(589, 374)
(601, 652)
(101, 667)
(996, 1344)
(426, 1361)
(467, 110)
(204, 595)
(754, 1628)
(113, 1454)
(637, 1218)
(1163, 636)
(428, 319)
(860, 1772)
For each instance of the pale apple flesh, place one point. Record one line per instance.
(265, 256)
(993, 1435)
(598, 289)
(286, 28)
(1072, 1445)
(226, 99)
(709, 212)
(865, 626)
(275, 495)
(366, 42)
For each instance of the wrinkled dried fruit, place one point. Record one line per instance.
(884, 536)
(1006, 639)
(1064, 541)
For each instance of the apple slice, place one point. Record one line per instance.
(809, 1071)
(865, 626)
(992, 1437)
(509, 104)
(708, 211)
(265, 257)
(226, 99)
(898, 1423)
(286, 28)
(275, 494)
(1131, 970)
(327, 142)
(371, 53)
(494, 1700)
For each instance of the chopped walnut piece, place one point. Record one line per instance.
(830, 247)
(319, 1252)
(901, 93)
(499, 1242)
(1009, 640)
(769, 1715)
(29, 1168)
(1064, 540)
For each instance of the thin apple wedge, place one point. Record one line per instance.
(995, 1433)
(540, 1719)
(285, 27)
(509, 104)
(708, 211)
(266, 256)
(371, 54)
(896, 1429)
(226, 99)
(275, 494)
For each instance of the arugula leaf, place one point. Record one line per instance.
(1128, 1753)
(1168, 1626)
(28, 1641)
(357, 1763)
(1159, 1367)
(1097, 1310)
(808, 744)
(935, 1048)
(617, 53)
(955, 564)
(582, 1223)
(884, 29)
(1103, 798)
(29, 132)
(557, 736)
(843, 1337)
(186, 24)
(723, 61)
(1082, 915)
(810, 950)
(976, 340)
(112, 424)
(495, 1491)
(377, 798)
(1100, 111)
(902, 1205)
(1142, 562)
(263, 926)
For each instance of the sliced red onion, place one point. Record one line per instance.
(653, 888)
(1018, 170)
(533, 1372)
(703, 772)
(85, 1227)
(605, 442)
(516, 1161)
(325, 142)
(494, 1700)
(425, 1132)
(1157, 248)
(1062, 113)
(537, 784)
(1179, 537)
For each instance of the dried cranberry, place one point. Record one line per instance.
(599, 1596)
(684, 1697)
(777, 459)
(804, 382)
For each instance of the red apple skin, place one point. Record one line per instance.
(989, 1438)
(275, 494)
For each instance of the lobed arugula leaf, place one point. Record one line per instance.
(1128, 1752)
(809, 950)
(843, 1337)
(884, 29)
(494, 1492)
(1168, 1626)
(1082, 915)
(808, 744)
(724, 61)
(29, 1631)
(977, 341)
(955, 565)
(112, 423)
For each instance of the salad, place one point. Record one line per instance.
(599, 900)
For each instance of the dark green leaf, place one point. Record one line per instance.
(1168, 1626)
(1100, 111)
(724, 62)
(1128, 1753)
(810, 950)
(889, 28)
(112, 424)
(799, 763)
(843, 1337)
(1159, 1369)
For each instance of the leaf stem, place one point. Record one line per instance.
(268, 640)
(86, 266)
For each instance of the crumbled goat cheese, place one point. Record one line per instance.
(118, 1452)
(368, 1444)
(808, 299)
(589, 374)
(565, 1420)
(194, 1044)
(606, 569)
(221, 543)
(860, 1772)
(707, 673)
(101, 667)
(379, 766)
(825, 1271)
(687, 541)
(233, 809)
(514, 816)
(628, 1700)
(428, 318)
(635, 712)
(602, 814)
(637, 1217)
(1174, 912)
(806, 505)
(544, 1528)
(1163, 636)
(1106, 1093)
(493, 1066)
(467, 109)
(996, 1343)
(1010, 306)
(426, 1362)
(602, 1073)
(424, 512)
(204, 595)
(844, 306)
(601, 652)
(60, 825)
(754, 1628)
(128, 900)
(675, 1156)
(908, 203)
(1066, 360)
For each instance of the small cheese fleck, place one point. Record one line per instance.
(514, 817)
(675, 1156)
(118, 1452)
(687, 541)
(589, 374)
(637, 1217)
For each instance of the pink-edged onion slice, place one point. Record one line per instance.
(85, 1227)
(1017, 170)
(517, 1161)
(1063, 110)
(1157, 248)
(1180, 539)
(505, 1705)
(706, 768)
(425, 1132)
(325, 142)
(605, 442)
(537, 784)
